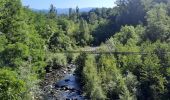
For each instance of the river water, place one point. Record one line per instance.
(68, 88)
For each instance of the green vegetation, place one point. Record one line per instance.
(29, 42)
(144, 27)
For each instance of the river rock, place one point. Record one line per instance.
(56, 86)
(64, 72)
(67, 80)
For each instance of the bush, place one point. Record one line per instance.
(56, 60)
(31, 80)
(11, 88)
(71, 57)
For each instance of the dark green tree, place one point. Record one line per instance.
(52, 12)
(158, 24)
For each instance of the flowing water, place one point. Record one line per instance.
(68, 88)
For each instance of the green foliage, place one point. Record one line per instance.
(71, 58)
(14, 54)
(152, 79)
(84, 37)
(131, 12)
(115, 85)
(11, 87)
(109, 80)
(20, 43)
(10, 12)
(127, 34)
(152, 74)
(158, 23)
(30, 40)
(3, 42)
(59, 41)
(91, 79)
(52, 13)
(31, 81)
(93, 18)
(56, 60)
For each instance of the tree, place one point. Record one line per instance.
(158, 24)
(84, 37)
(3, 42)
(52, 13)
(21, 43)
(114, 84)
(130, 9)
(129, 34)
(92, 82)
(92, 18)
(70, 12)
(77, 13)
(150, 73)
(59, 41)
(152, 81)
(10, 11)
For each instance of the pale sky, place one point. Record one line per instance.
(45, 4)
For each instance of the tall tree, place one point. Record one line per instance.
(84, 36)
(53, 12)
(77, 13)
(92, 17)
(70, 12)
(158, 24)
(131, 12)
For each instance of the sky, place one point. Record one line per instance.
(45, 4)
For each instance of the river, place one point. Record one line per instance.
(67, 88)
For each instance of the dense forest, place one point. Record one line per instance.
(30, 42)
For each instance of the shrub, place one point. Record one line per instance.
(56, 60)
(11, 87)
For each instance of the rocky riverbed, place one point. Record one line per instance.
(62, 84)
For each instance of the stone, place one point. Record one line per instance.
(66, 80)
(56, 86)
(64, 72)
